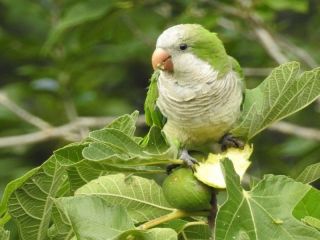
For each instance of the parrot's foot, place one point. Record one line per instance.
(188, 160)
(228, 141)
(171, 167)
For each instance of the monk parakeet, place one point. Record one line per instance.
(196, 91)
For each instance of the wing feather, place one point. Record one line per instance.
(152, 112)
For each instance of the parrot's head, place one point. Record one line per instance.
(179, 48)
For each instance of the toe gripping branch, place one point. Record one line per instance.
(229, 141)
(188, 160)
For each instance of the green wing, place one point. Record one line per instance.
(237, 68)
(152, 112)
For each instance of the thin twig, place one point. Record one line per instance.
(257, 72)
(170, 216)
(297, 51)
(22, 113)
(262, 33)
(67, 131)
(270, 44)
(299, 131)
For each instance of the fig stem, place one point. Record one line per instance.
(171, 216)
(160, 162)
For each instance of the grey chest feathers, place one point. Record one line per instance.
(199, 108)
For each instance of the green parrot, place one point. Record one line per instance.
(196, 91)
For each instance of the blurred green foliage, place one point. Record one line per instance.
(94, 56)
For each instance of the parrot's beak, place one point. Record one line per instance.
(162, 60)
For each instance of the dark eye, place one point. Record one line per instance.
(183, 46)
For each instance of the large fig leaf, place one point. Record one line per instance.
(310, 174)
(142, 198)
(264, 212)
(91, 218)
(31, 204)
(4, 234)
(281, 94)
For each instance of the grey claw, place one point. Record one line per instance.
(228, 141)
(188, 160)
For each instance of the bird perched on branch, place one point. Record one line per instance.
(196, 91)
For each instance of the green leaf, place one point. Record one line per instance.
(91, 218)
(70, 154)
(281, 94)
(155, 142)
(86, 171)
(13, 186)
(61, 228)
(310, 174)
(125, 123)
(155, 145)
(311, 221)
(113, 147)
(152, 234)
(264, 212)
(117, 140)
(83, 173)
(4, 234)
(30, 205)
(152, 113)
(307, 206)
(78, 14)
(296, 5)
(189, 230)
(142, 198)
(195, 231)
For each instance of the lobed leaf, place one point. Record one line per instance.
(311, 221)
(307, 206)
(142, 198)
(264, 212)
(30, 205)
(281, 94)
(152, 234)
(125, 123)
(70, 155)
(61, 228)
(310, 174)
(4, 234)
(113, 147)
(13, 186)
(91, 218)
(196, 231)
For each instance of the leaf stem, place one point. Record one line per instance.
(190, 224)
(4, 219)
(171, 216)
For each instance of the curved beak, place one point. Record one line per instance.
(161, 59)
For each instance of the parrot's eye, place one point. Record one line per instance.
(183, 46)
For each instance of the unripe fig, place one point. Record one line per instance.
(183, 191)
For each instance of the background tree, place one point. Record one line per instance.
(70, 66)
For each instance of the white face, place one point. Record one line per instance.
(172, 37)
(187, 66)
(170, 40)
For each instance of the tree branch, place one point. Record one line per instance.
(292, 129)
(22, 113)
(68, 131)
(257, 72)
(270, 44)
(171, 216)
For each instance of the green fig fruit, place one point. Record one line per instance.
(183, 191)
